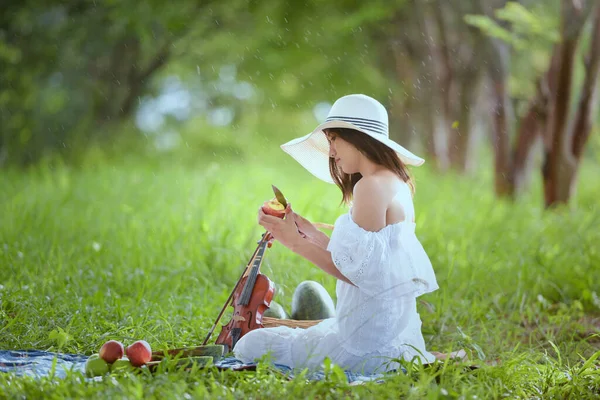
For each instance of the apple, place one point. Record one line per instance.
(122, 365)
(274, 207)
(139, 353)
(96, 366)
(111, 351)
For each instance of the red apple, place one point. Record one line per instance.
(274, 207)
(139, 353)
(111, 351)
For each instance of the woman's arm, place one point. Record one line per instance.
(286, 232)
(318, 256)
(320, 239)
(311, 231)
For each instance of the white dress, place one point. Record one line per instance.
(376, 321)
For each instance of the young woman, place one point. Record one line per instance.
(380, 265)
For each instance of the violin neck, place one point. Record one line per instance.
(256, 263)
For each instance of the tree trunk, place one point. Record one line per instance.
(501, 126)
(502, 117)
(402, 104)
(456, 56)
(584, 116)
(440, 73)
(461, 128)
(560, 165)
(531, 130)
(433, 151)
(419, 67)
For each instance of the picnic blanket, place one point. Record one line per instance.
(38, 363)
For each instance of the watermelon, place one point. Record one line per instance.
(312, 301)
(275, 310)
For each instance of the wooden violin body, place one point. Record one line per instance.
(247, 316)
(250, 298)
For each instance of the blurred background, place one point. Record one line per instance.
(507, 89)
(139, 138)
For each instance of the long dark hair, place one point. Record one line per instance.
(375, 151)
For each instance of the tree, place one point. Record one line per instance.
(568, 133)
(548, 113)
(72, 71)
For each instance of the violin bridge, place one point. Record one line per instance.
(238, 318)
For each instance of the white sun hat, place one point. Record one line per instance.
(354, 111)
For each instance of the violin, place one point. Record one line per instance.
(250, 297)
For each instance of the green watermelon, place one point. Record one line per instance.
(312, 301)
(275, 310)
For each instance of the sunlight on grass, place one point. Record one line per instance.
(151, 251)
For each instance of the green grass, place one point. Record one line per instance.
(150, 250)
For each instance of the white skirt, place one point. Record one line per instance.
(300, 348)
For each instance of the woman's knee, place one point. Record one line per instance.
(246, 346)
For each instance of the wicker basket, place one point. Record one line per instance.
(269, 322)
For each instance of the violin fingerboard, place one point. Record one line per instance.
(249, 286)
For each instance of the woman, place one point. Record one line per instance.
(380, 265)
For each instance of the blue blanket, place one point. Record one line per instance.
(39, 363)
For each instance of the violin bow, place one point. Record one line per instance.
(265, 238)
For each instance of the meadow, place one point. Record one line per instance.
(150, 249)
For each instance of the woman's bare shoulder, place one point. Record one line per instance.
(371, 197)
(385, 185)
(373, 184)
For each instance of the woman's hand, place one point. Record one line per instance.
(283, 230)
(306, 227)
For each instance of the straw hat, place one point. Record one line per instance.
(354, 111)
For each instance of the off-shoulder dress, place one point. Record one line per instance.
(376, 322)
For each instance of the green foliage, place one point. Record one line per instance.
(531, 34)
(528, 28)
(126, 249)
(58, 97)
(317, 50)
(107, 56)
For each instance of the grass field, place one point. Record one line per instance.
(133, 250)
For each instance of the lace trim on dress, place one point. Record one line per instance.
(382, 261)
